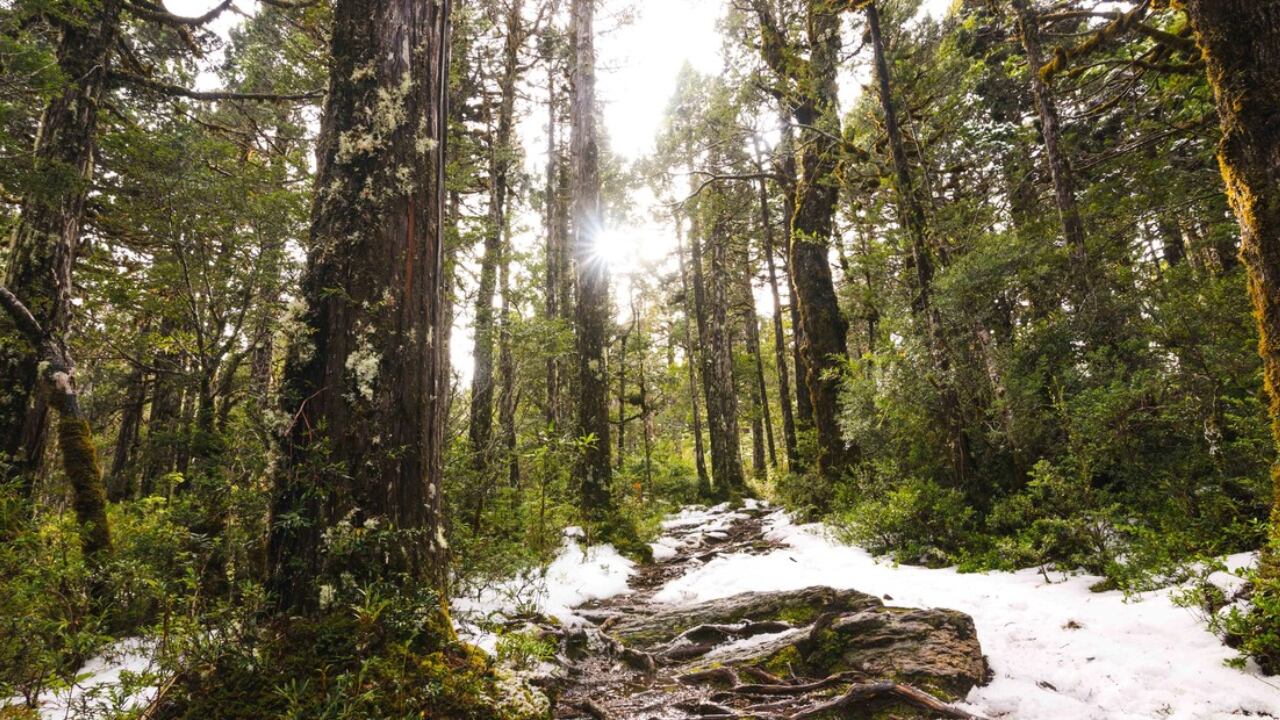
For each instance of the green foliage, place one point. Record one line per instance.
(916, 521)
(389, 653)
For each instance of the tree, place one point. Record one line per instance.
(1240, 40)
(47, 236)
(364, 384)
(591, 311)
(809, 91)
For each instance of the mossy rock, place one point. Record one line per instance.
(797, 607)
(935, 650)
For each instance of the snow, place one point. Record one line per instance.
(98, 688)
(573, 577)
(1057, 649)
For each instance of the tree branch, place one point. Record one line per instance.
(211, 95)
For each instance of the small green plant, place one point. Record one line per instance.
(524, 649)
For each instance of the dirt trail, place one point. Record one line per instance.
(804, 654)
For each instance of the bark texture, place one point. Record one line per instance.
(365, 380)
(813, 105)
(591, 313)
(1240, 42)
(691, 361)
(46, 239)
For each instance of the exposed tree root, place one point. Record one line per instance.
(884, 690)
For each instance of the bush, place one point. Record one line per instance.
(919, 521)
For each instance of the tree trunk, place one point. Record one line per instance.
(717, 367)
(761, 420)
(804, 404)
(365, 382)
(1064, 190)
(779, 338)
(824, 342)
(1240, 41)
(47, 237)
(79, 455)
(122, 483)
(591, 311)
(556, 268)
(691, 360)
(509, 396)
(921, 256)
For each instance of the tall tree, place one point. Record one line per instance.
(811, 97)
(1240, 41)
(912, 216)
(591, 312)
(692, 321)
(365, 380)
(46, 239)
(1060, 172)
(501, 154)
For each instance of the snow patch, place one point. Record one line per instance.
(574, 577)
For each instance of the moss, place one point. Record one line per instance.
(80, 459)
(782, 662)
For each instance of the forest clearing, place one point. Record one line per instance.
(652, 360)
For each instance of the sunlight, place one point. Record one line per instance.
(618, 250)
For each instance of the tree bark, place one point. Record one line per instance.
(1064, 189)
(761, 419)
(779, 337)
(46, 239)
(717, 366)
(1240, 42)
(824, 342)
(365, 383)
(787, 170)
(480, 433)
(79, 455)
(692, 360)
(591, 312)
(122, 477)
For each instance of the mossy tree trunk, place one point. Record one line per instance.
(75, 438)
(812, 101)
(1240, 42)
(46, 239)
(365, 378)
(593, 471)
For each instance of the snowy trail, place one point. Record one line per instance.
(1057, 649)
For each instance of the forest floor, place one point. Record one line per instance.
(653, 640)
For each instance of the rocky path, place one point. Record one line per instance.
(811, 653)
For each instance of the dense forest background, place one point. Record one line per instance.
(990, 314)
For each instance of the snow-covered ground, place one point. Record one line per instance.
(574, 577)
(1057, 649)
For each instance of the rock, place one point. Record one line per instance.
(934, 650)
(795, 607)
